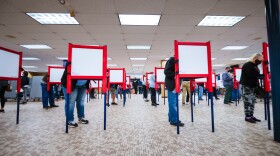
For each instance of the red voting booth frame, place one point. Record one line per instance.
(193, 76)
(49, 75)
(235, 82)
(128, 82)
(156, 82)
(86, 77)
(266, 71)
(147, 79)
(123, 83)
(18, 79)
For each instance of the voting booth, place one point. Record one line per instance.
(55, 73)
(13, 60)
(160, 79)
(118, 76)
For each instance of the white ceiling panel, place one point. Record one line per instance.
(180, 20)
(107, 36)
(82, 42)
(93, 6)
(103, 29)
(97, 19)
(138, 42)
(193, 37)
(7, 7)
(77, 36)
(139, 37)
(16, 19)
(139, 29)
(140, 7)
(192, 7)
(44, 36)
(30, 28)
(174, 29)
(209, 30)
(66, 28)
(252, 22)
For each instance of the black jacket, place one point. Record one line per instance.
(169, 72)
(24, 81)
(249, 75)
(73, 82)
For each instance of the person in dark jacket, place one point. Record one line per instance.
(3, 87)
(78, 93)
(227, 78)
(24, 86)
(47, 96)
(249, 81)
(169, 72)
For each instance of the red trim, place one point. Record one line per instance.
(103, 77)
(266, 71)
(208, 76)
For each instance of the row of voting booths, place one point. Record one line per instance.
(193, 61)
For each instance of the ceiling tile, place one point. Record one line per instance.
(103, 29)
(43, 36)
(97, 19)
(180, 20)
(138, 29)
(94, 6)
(174, 29)
(16, 19)
(66, 28)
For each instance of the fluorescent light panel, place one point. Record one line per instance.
(240, 59)
(53, 18)
(29, 67)
(30, 58)
(138, 59)
(62, 58)
(36, 46)
(138, 65)
(53, 65)
(112, 65)
(167, 58)
(234, 47)
(127, 19)
(109, 59)
(218, 65)
(138, 47)
(220, 21)
(213, 58)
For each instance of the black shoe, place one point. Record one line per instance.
(114, 103)
(175, 124)
(107, 104)
(231, 102)
(23, 103)
(83, 121)
(2, 111)
(183, 103)
(201, 99)
(72, 124)
(147, 100)
(217, 98)
(249, 119)
(154, 104)
(54, 106)
(255, 119)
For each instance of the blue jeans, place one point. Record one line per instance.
(172, 112)
(77, 95)
(47, 96)
(200, 94)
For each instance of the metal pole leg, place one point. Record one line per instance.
(177, 105)
(18, 96)
(105, 110)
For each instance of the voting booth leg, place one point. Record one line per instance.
(164, 94)
(192, 107)
(194, 98)
(268, 110)
(210, 97)
(124, 97)
(67, 112)
(18, 96)
(87, 97)
(206, 92)
(108, 94)
(105, 109)
(265, 111)
(177, 105)
(158, 97)
(236, 97)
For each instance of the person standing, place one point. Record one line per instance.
(24, 86)
(145, 92)
(249, 81)
(140, 86)
(227, 78)
(3, 87)
(169, 72)
(186, 90)
(200, 91)
(78, 93)
(113, 89)
(135, 86)
(152, 88)
(47, 96)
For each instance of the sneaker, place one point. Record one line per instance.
(54, 106)
(147, 100)
(114, 103)
(83, 121)
(175, 124)
(154, 104)
(107, 104)
(255, 119)
(72, 124)
(183, 103)
(249, 119)
(2, 111)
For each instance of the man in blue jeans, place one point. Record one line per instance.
(77, 95)
(169, 72)
(228, 84)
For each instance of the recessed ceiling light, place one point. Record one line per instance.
(29, 67)
(138, 47)
(36, 46)
(126, 19)
(30, 58)
(109, 59)
(62, 58)
(167, 58)
(138, 65)
(220, 21)
(53, 18)
(53, 65)
(240, 59)
(218, 65)
(137, 69)
(112, 65)
(234, 47)
(213, 58)
(138, 59)
(31, 70)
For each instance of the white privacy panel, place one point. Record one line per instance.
(127, 80)
(213, 78)
(9, 64)
(94, 84)
(87, 62)
(116, 76)
(193, 59)
(238, 74)
(268, 59)
(56, 74)
(160, 76)
(260, 66)
(201, 80)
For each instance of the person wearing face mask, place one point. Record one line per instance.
(249, 81)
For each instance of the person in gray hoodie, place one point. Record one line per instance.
(227, 78)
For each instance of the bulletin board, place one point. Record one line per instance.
(194, 61)
(160, 76)
(55, 73)
(87, 62)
